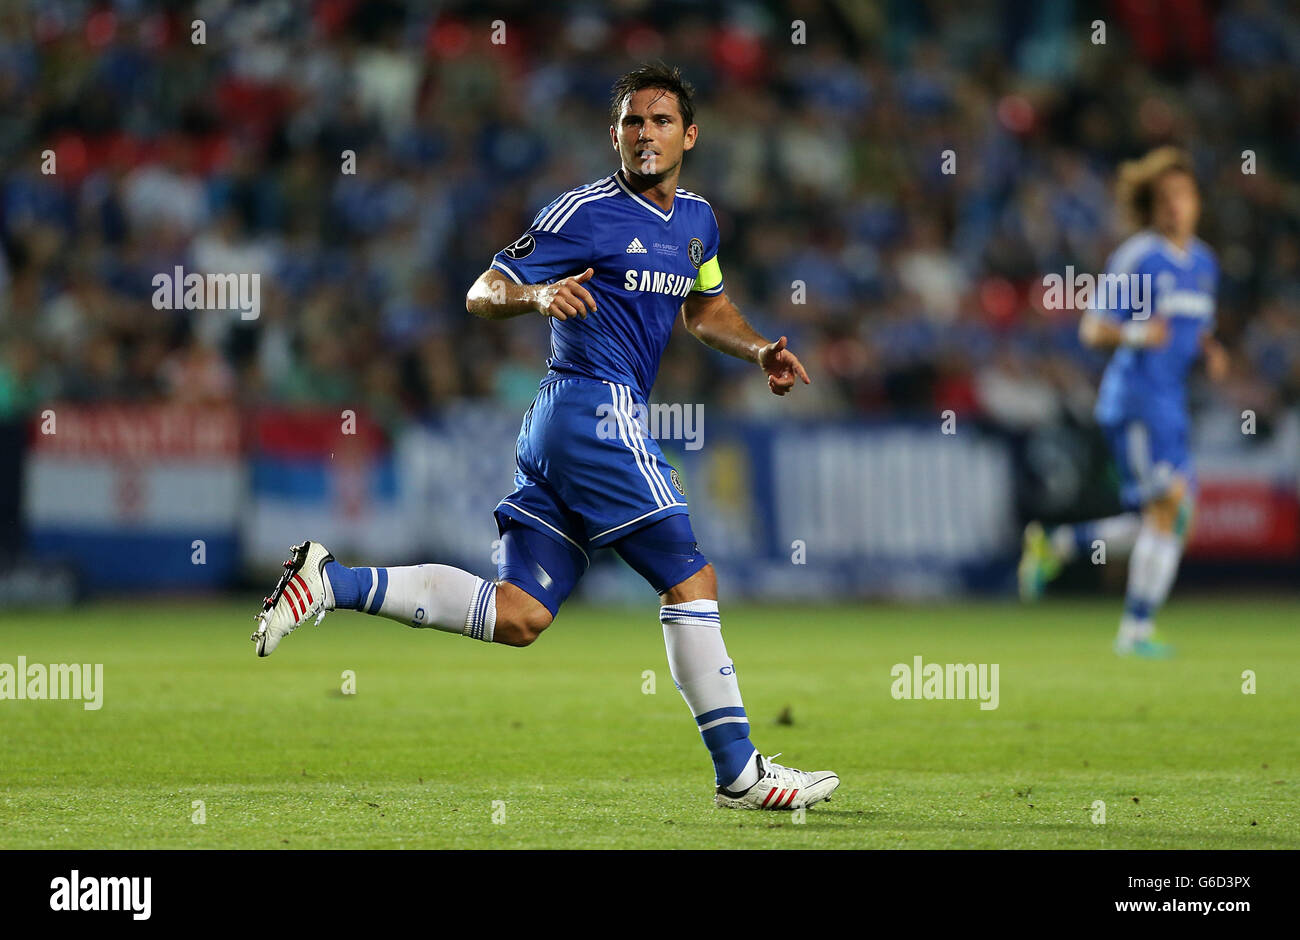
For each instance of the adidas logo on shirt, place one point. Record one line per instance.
(636, 248)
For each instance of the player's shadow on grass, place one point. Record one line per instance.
(817, 818)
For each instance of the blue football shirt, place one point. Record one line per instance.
(646, 263)
(1150, 384)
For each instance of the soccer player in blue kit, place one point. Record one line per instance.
(610, 264)
(1142, 403)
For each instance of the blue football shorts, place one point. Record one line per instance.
(589, 476)
(1148, 454)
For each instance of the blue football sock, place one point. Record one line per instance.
(1136, 608)
(350, 585)
(706, 676)
(1084, 535)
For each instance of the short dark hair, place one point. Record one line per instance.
(654, 75)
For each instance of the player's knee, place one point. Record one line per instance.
(1159, 516)
(524, 629)
(535, 575)
(702, 584)
(520, 617)
(1177, 491)
(1163, 510)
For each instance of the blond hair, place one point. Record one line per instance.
(1135, 188)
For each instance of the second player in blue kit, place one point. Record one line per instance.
(1142, 403)
(1158, 327)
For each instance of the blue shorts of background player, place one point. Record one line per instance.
(1149, 456)
(588, 476)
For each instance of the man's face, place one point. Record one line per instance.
(1177, 205)
(650, 137)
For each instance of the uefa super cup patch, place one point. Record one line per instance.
(521, 247)
(695, 251)
(677, 481)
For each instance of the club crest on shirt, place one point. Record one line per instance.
(522, 247)
(677, 482)
(695, 251)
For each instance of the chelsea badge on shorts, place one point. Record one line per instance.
(695, 251)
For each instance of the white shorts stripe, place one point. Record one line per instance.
(623, 433)
(1139, 454)
(629, 522)
(638, 437)
(506, 502)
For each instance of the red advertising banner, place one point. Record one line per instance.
(314, 432)
(143, 432)
(1242, 519)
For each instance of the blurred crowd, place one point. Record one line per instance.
(904, 288)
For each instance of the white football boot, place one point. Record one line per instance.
(303, 593)
(780, 787)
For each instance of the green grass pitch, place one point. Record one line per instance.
(560, 743)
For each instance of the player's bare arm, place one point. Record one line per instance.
(1098, 332)
(717, 323)
(1217, 362)
(495, 297)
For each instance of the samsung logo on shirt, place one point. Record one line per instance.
(1187, 303)
(658, 282)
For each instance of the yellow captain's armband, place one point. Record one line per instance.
(710, 275)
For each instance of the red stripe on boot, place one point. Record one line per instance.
(305, 589)
(286, 596)
(300, 603)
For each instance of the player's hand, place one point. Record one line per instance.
(782, 367)
(1157, 333)
(567, 298)
(1218, 364)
